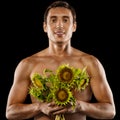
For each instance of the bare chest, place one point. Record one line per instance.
(53, 63)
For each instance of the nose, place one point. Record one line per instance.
(59, 24)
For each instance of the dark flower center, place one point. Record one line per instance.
(66, 74)
(62, 95)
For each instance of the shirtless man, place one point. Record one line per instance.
(59, 24)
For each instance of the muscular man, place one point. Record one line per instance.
(59, 24)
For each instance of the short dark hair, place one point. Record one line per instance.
(60, 4)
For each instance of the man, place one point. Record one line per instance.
(59, 24)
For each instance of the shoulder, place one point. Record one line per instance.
(86, 57)
(89, 60)
(30, 61)
(93, 64)
(24, 65)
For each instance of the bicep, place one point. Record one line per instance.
(19, 89)
(18, 92)
(100, 85)
(98, 81)
(101, 90)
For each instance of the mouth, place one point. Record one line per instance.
(60, 33)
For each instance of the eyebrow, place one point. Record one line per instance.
(62, 16)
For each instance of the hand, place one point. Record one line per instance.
(68, 109)
(50, 108)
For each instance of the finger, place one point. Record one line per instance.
(57, 108)
(60, 111)
(52, 104)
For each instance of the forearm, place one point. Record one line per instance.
(97, 110)
(20, 111)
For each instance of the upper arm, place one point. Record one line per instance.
(99, 84)
(19, 89)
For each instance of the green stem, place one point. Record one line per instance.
(60, 117)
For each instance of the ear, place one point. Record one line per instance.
(74, 26)
(44, 27)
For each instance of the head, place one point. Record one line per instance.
(63, 4)
(59, 21)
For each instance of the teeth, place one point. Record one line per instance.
(59, 33)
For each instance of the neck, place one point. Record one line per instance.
(60, 49)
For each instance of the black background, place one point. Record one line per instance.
(22, 35)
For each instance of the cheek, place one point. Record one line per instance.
(71, 29)
(49, 32)
(49, 29)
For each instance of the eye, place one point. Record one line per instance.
(53, 20)
(65, 20)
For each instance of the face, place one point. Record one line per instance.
(59, 26)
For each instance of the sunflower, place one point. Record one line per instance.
(84, 83)
(37, 81)
(58, 87)
(65, 73)
(62, 96)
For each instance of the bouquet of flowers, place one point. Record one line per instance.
(57, 86)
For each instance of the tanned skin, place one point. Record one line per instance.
(59, 28)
